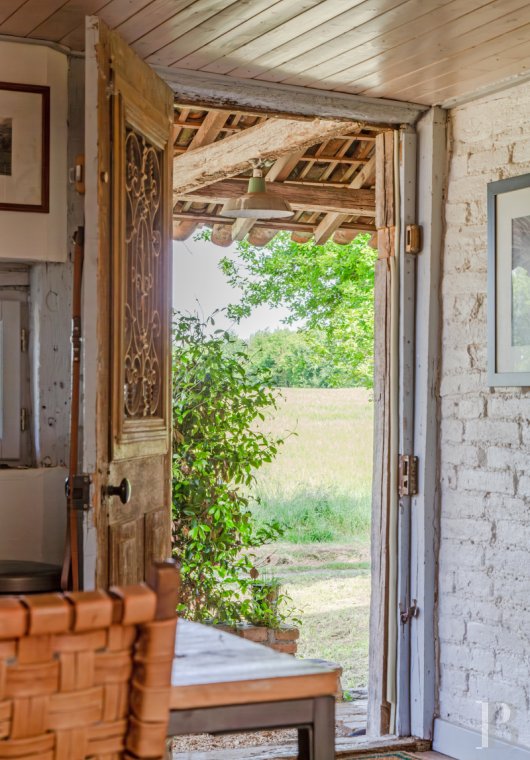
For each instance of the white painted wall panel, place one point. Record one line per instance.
(30, 236)
(33, 514)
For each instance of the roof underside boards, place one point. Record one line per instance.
(330, 182)
(424, 51)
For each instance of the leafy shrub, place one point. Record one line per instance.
(216, 449)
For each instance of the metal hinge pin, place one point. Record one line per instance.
(406, 615)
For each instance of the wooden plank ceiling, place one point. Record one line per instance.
(329, 182)
(425, 51)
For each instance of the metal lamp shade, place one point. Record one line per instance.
(257, 203)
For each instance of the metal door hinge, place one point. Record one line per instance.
(413, 238)
(79, 174)
(24, 416)
(405, 615)
(81, 491)
(408, 475)
(23, 340)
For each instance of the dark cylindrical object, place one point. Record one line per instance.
(25, 577)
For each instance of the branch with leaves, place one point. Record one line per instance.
(217, 448)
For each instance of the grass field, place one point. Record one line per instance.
(319, 484)
(319, 488)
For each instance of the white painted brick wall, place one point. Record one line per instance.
(484, 576)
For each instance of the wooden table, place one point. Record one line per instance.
(222, 683)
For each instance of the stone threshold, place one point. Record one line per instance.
(346, 748)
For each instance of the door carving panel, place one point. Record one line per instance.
(129, 202)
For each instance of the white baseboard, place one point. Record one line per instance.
(465, 744)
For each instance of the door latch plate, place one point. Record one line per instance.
(408, 475)
(81, 492)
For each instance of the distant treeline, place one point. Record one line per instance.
(299, 359)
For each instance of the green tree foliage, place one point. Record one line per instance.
(295, 359)
(330, 288)
(216, 400)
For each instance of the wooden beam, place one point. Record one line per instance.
(241, 228)
(208, 90)
(270, 139)
(209, 129)
(321, 158)
(344, 201)
(206, 134)
(331, 222)
(281, 224)
(190, 124)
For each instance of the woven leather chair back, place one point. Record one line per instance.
(87, 674)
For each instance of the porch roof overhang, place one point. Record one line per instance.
(432, 53)
(235, 65)
(324, 168)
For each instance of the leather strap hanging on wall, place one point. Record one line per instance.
(72, 561)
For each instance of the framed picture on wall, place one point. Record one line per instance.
(509, 281)
(24, 147)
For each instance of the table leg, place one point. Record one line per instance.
(324, 729)
(304, 744)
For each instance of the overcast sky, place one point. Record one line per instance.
(199, 285)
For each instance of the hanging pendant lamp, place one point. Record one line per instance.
(257, 203)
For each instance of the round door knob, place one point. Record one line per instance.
(123, 491)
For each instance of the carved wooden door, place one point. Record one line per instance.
(130, 112)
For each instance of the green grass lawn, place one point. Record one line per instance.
(329, 585)
(319, 487)
(319, 484)
(335, 607)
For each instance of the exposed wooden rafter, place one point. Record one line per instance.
(184, 122)
(208, 131)
(268, 140)
(334, 220)
(321, 199)
(277, 224)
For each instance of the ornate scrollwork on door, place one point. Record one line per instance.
(143, 335)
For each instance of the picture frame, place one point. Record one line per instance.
(509, 282)
(24, 147)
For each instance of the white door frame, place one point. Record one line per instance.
(432, 160)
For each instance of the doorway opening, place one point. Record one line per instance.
(320, 483)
